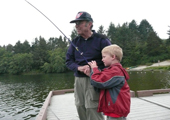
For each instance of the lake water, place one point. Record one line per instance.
(22, 96)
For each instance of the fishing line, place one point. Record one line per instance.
(54, 114)
(81, 53)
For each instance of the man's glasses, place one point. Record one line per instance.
(79, 22)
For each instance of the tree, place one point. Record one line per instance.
(101, 30)
(9, 48)
(135, 36)
(56, 62)
(39, 51)
(18, 47)
(22, 47)
(145, 28)
(153, 45)
(57, 43)
(5, 58)
(168, 32)
(21, 62)
(111, 32)
(26, 48)
(74, 34)
(61, 43)
(122, 36)
(167, 43)
(51, 43)
(133, 26)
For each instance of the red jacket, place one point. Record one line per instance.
(114, 90)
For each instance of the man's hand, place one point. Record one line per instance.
(92, 64)
(87, 72)
(83, 68)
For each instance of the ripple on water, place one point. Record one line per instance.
(18, 103)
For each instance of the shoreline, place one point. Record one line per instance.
(145, 67)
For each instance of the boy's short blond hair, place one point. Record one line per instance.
(114, 50)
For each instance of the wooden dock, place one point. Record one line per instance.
(145, 105)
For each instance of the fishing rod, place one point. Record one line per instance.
(81, 53)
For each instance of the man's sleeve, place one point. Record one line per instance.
(70, 59)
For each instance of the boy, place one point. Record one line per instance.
(114, 100)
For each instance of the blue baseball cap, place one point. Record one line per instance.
(82, 16)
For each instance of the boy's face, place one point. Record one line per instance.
(107, 59)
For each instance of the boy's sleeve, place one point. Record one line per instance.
(106, 79)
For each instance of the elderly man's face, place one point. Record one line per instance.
(83, 27)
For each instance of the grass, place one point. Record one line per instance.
(33, 72)
(158, 68)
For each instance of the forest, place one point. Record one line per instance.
(140, 43)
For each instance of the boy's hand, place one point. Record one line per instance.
(93, 64)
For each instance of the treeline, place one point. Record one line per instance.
(42, 56)
(140, 44)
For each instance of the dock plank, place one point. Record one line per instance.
(62, 107)
(160, 99)
(143, 110)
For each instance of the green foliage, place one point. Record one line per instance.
(5, 58)
(140, 44)
(169, 32)
(153, 44)
(21, 62)
(39, 51)
(56, 62)
(145, 28)
(148, 64)
(159, 68)
(168, 42)
(9, 48)
(74, 34)
(101, 30)
(22, 47)
(111, 32)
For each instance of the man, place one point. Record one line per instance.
(90, 44)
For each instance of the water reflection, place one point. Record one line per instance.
(21, 97)
(145, 80)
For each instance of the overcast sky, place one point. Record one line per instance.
(20, 21)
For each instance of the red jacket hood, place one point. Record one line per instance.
(122, 69)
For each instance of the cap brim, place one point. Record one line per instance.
(73, 21)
